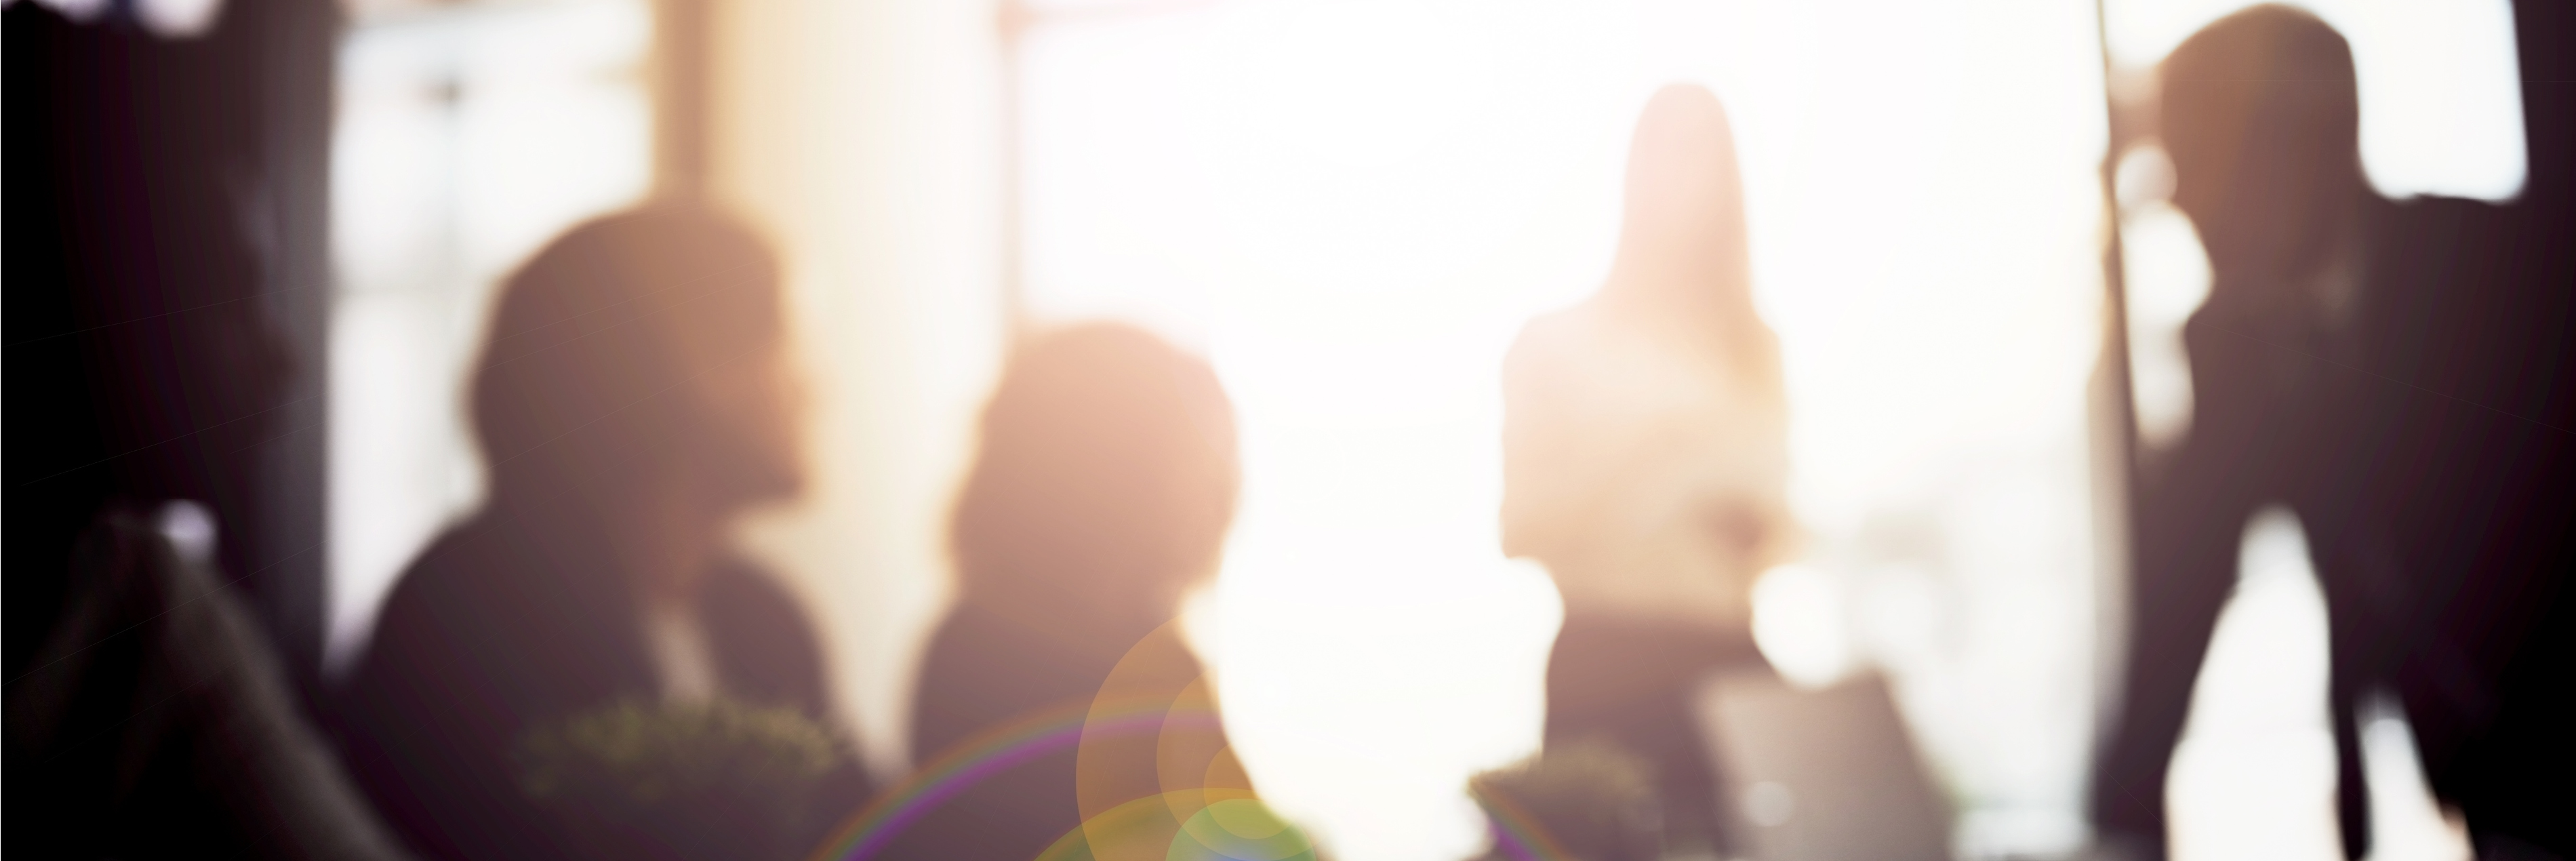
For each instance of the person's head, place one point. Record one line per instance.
(641, 355)
(1104, 480)
(1684, 268)
(1684, 229)
(2259, 114)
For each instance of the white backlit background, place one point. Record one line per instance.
(467, 136)
(1351, 207)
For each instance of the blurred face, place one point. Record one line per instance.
(744, 388)
(2259, 116)
(2262, 210)
(754, 405)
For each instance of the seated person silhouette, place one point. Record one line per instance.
(2326, 304)
(1645, 462)
(634, 397)
(1101, 493)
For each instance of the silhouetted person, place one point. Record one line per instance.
(142, 362)
(150, 714)
(1645, 462)
(632, 400)
(2305, 364)
(1100, 495)
(2260, 118)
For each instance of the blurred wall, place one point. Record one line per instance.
(864, 137)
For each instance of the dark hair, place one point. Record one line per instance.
(1106, 474)
(2269, 77)
(584, 383)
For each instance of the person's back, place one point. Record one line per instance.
(596, 575)
(1101, 493)
(471, 647)
(984, 673)
(484, 639)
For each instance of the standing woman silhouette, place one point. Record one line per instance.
(1645, 461)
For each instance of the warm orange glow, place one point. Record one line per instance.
(1350, 208)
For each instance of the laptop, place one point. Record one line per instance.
(1820, 775)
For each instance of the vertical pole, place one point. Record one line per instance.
(1013, 22)
(2114, 261)
(2115, 433)
(297, 44)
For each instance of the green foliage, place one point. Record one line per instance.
(1592, 798)
(641, 755)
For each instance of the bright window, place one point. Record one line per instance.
(467, 136)
(1353, 207)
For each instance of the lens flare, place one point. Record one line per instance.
(1154, 778)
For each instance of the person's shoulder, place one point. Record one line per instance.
(1551, 346)
(461, 571)
(434, 579)
(749, 607)
(969, 634)
(1547, 331)
(2419, 225)
(740, 588)
(989, 646)
(419, 632)
(2439, 207)
(2428, 247)
(764, 639)
(468, 592)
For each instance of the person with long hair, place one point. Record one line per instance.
(1645, 461)
(633, 399)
